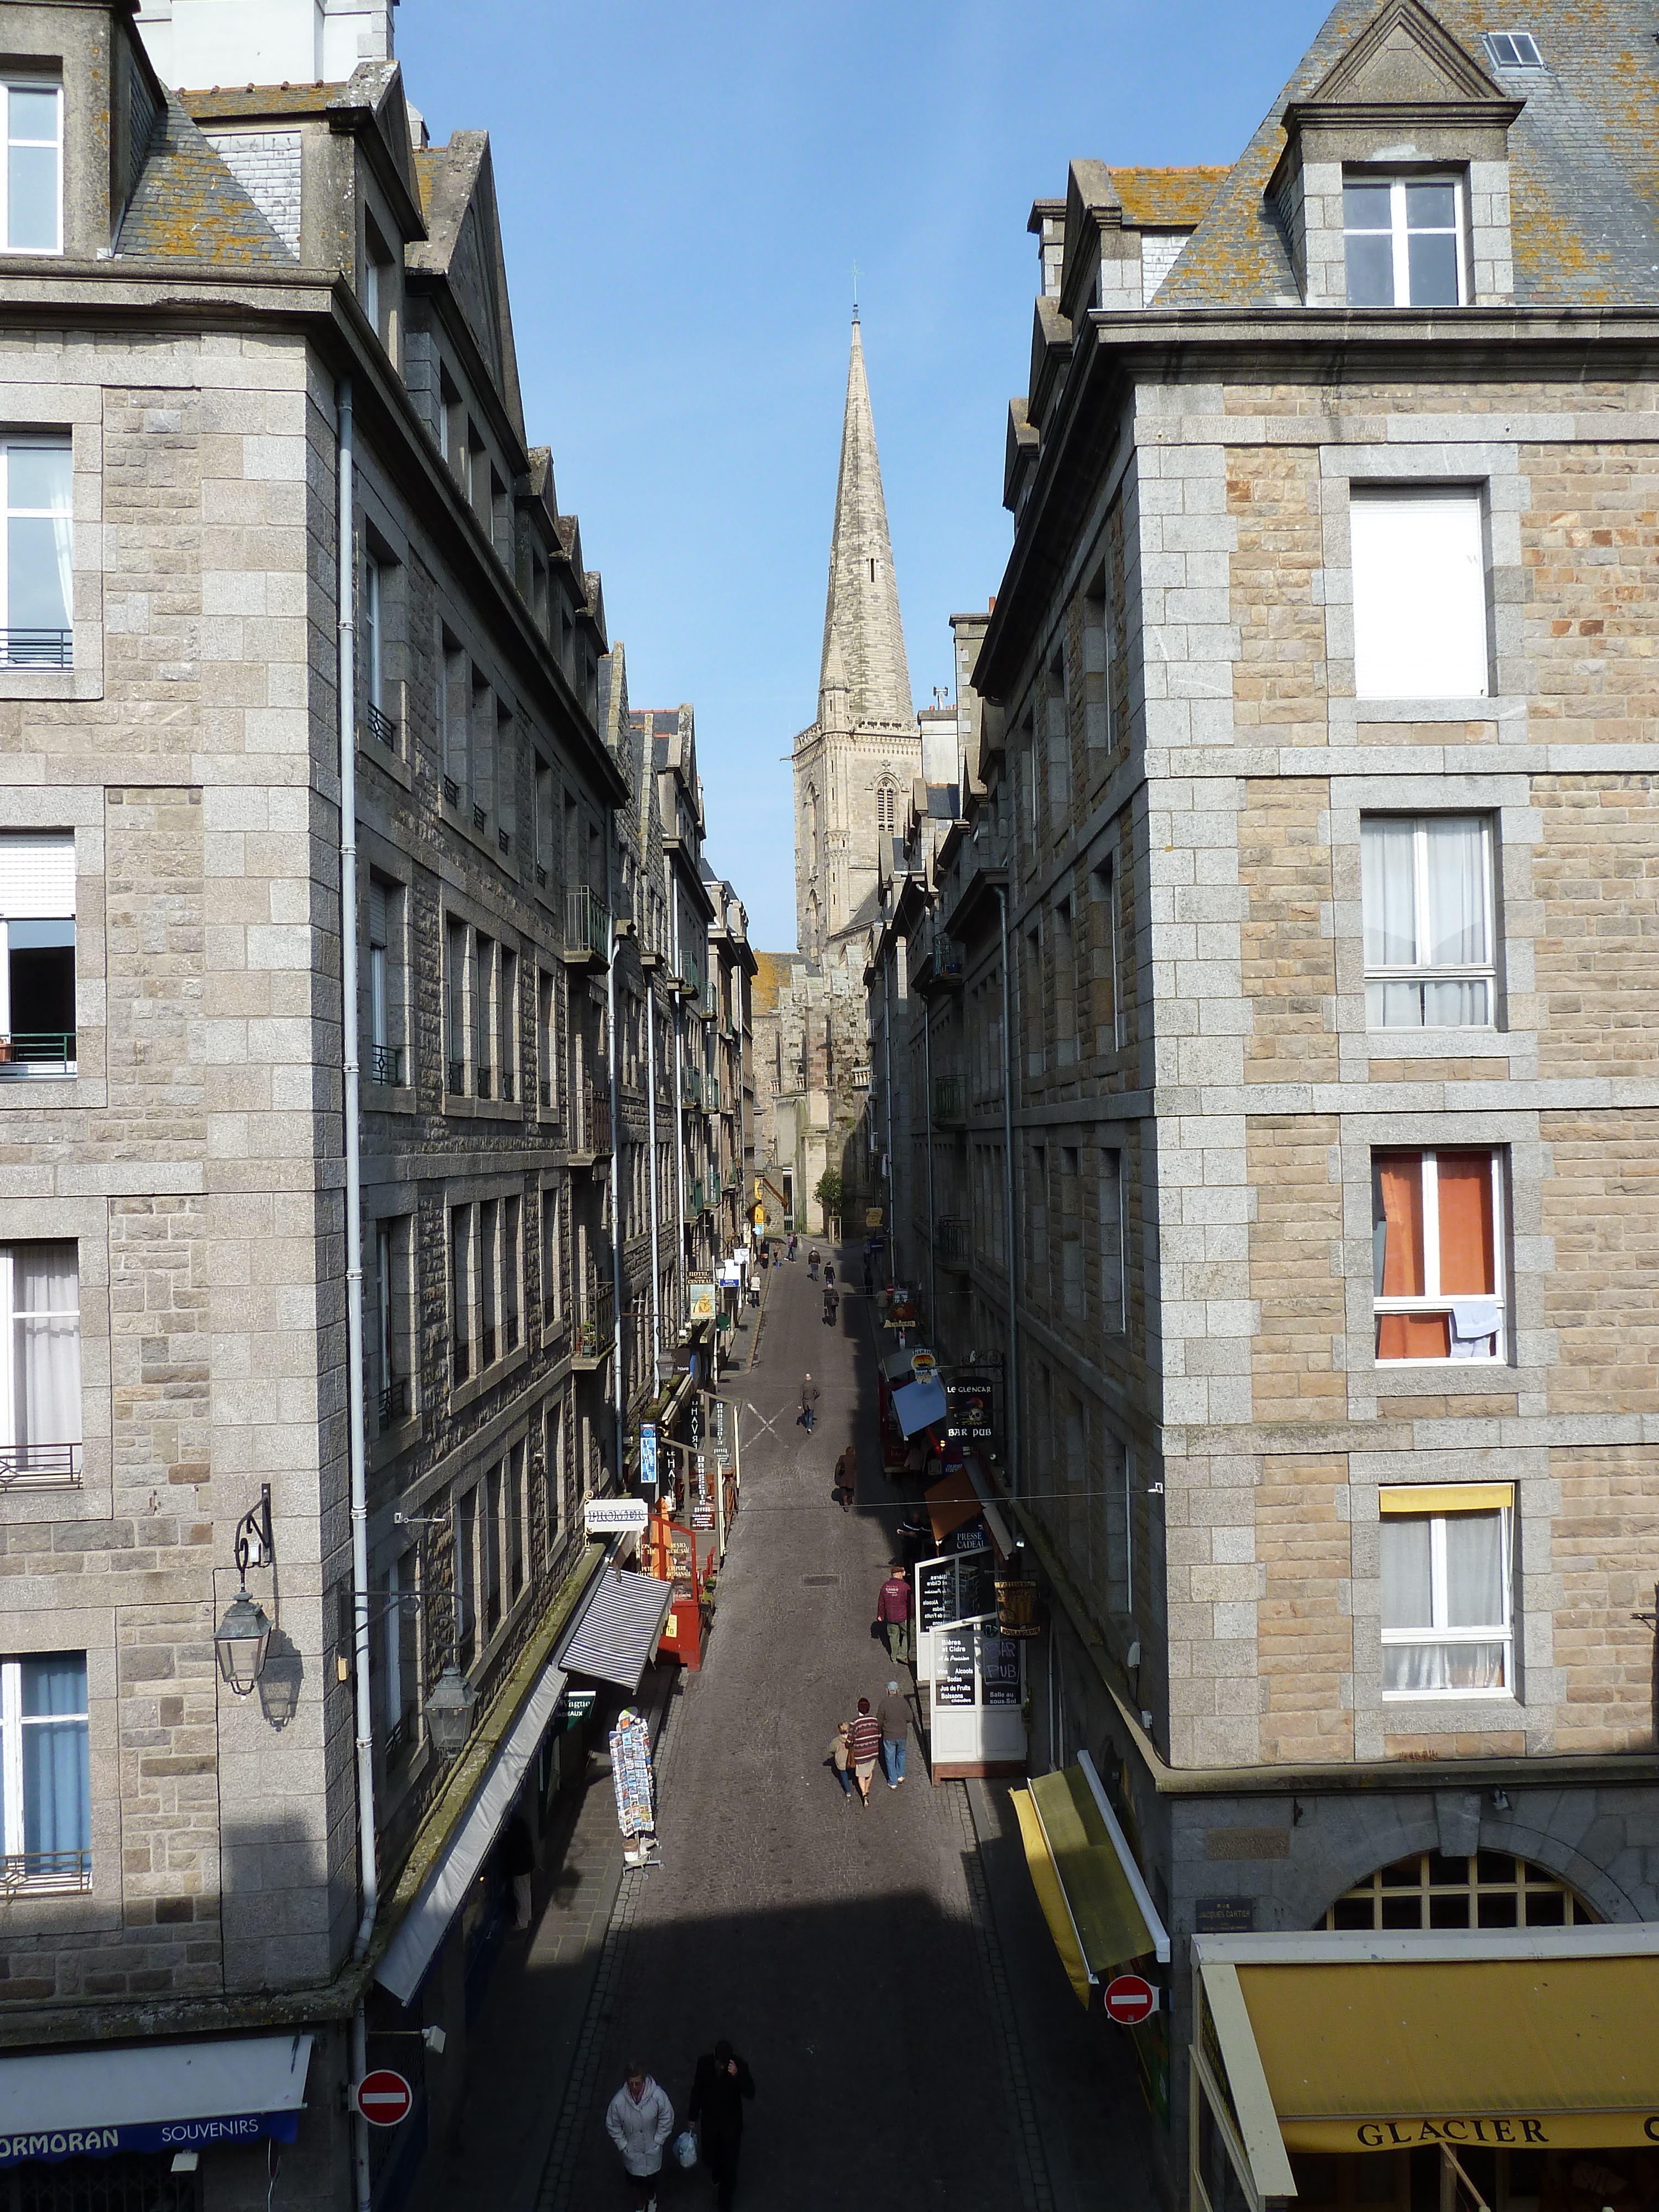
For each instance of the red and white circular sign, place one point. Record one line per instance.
(384, 2098)
(1131, 1999)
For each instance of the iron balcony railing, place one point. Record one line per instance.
(451, 791)
(38, 1462)
(36, 1052)
(694, 1198)
(385, 1063)
(713, 1099)
(381, 727)
(510, 1331)
(482, 1079)
(44, 1870)
(508, 1087)
(947, 956)
(458, 1076)
(949, 1098)
(37, 649)
(952, 1241)
(586, 923)
(597, 1325)
(394, 1402)
(693, 1079)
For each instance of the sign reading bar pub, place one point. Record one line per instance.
(969, 1396)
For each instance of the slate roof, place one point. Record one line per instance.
(1176, 198)
(1584, 162)
(219, 103)
(188, 207)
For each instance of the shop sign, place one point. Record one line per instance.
(924, 1366)
(701, 1295)
(1017, 1607)
(971, 1405)
(615, 1517)
(872, 1217)
(578, 1704)
(98, 2141)
(648, 1455)
(1468, 2130)
(1224, 1915)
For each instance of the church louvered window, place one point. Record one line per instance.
(886, 806)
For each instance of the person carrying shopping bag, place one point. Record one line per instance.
(639, 2120)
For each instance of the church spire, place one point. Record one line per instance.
(864, 660)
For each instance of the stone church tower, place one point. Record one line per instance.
(854, 765)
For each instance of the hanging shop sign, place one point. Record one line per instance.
(971, 1399)
(578, 1704)
(872, 1217)
(1016, 1605)
(648, 1455)
(701, 1299)
(616, 1516)
(924, 1366)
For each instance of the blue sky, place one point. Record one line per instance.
(684, 190)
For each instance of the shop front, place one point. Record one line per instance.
(1485, 2071)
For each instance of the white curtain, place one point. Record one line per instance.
(1474, 1570)
(1457, 891)
(1474, 1598)
(1407, 1595)
(47, 1345)
(1389, 879)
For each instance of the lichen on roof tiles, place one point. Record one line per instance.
(219, 103)
(187, 206)
(1175, 197)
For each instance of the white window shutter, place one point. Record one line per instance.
(37, 875)
(1419, 595)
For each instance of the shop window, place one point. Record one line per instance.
(37, 955)
(1435, 1235)
(40, 1437)
(36, 554)
(1429, 922)
(1403, 238)
(1447, 1582)
(1419, 594)
(1491, 1889)
(46, 1784)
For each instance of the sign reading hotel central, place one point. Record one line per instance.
(1516, 2130)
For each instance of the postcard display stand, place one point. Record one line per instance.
(977, 1676)
(630, 1775)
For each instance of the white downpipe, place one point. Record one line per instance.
(1012, 1389)
(354, 1233)
(887, 1086)
(619, 1390)
(651, 1123)
(679, 1107)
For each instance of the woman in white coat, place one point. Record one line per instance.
(639, 2120)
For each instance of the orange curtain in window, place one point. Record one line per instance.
(1467, 1257)
(1406, 1336)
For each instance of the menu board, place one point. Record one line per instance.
(976, 1588)
(953, 1666)
(999, 1667)
(936, 1593)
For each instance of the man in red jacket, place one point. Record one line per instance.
(893, 1611)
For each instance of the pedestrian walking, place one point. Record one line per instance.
(894, 1714)
(792, 1247)
(809, 1405)
(829, 1273)
(639, 2120)
(719, 2087)
(893, 1611)
(813, 1265)
(847, 1477)
(831, 1301)
(840, 1753)
(519, 1865)
(864, 1747)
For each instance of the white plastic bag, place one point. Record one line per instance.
(686, 2147)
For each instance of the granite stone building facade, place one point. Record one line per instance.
(289, 597)
(1308, 844)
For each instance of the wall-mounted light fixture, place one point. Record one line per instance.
(243, 1637)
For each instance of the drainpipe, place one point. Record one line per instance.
(651, 1110)
(679, 1106)
(354, 1232)
(1008, 1190)
(618, 1388)
(928, 1124)
(887, 1085)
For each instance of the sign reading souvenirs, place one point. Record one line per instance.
(52, 2144)
(384, 2098)
(615, 1517)
(1130, 1999)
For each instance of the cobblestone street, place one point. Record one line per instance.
(886, 1973)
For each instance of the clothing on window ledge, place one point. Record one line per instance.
(1474, 1323)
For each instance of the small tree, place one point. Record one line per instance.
(828, 1194)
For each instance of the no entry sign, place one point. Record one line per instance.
(384, 2098)
(1131, 1999)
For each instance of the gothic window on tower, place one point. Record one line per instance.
(886, 806)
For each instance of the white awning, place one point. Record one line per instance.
(919, 1405)
(151, 2096)
(411, 1950)
(615, 1636)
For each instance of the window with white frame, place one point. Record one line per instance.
(1448, 1612)
(1436, 1241)
(1420, 628)
(1429, 919)
(1403, 239)
(40, 1437)
(33, 221)
(37, 591)
(37, 954)
(46, 1784)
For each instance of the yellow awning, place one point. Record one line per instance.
(1085, 1893)
(1552, 2046)
(1446, 1498)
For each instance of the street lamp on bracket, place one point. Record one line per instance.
(243, 1637)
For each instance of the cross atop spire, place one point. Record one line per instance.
(864, 659)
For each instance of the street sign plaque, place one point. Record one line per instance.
(384, 2098)
(1130, 1999)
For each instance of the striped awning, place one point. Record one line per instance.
(614, 1637)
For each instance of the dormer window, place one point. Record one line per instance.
(33, 213)
(1403, 238)
(1514, 49)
